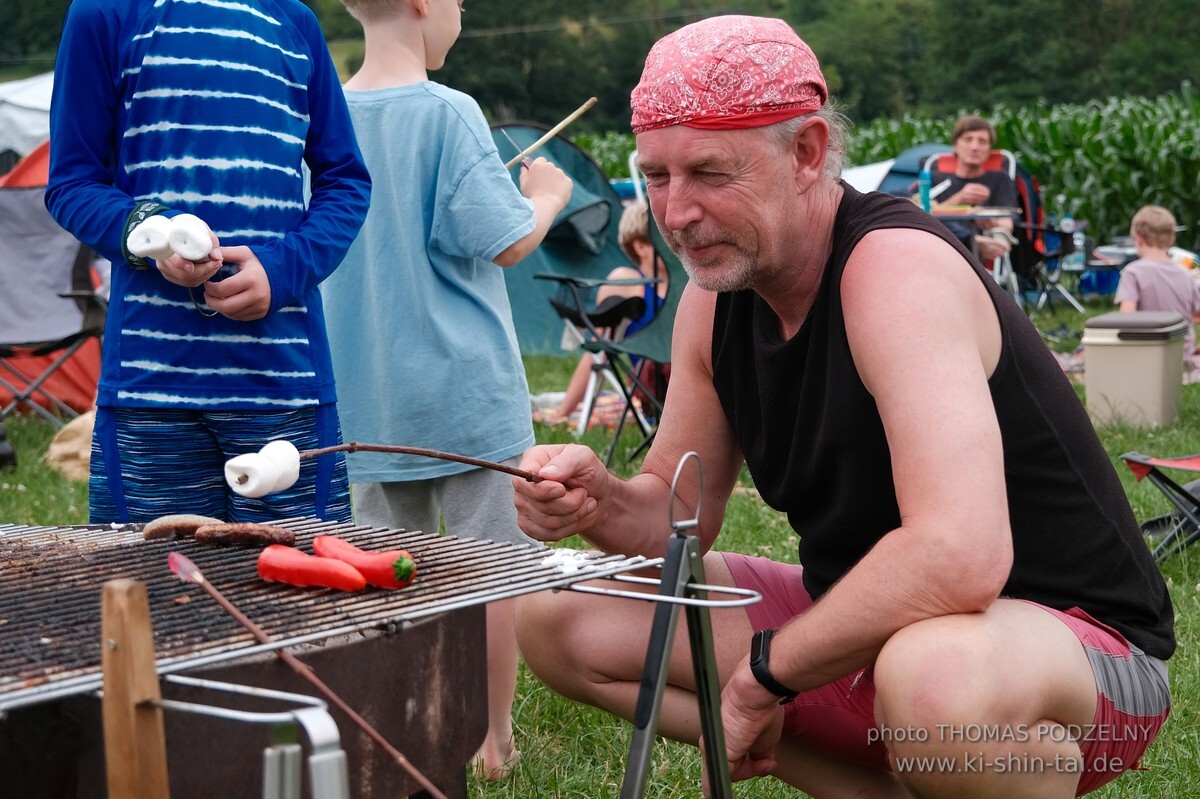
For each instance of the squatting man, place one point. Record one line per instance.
(967, 554)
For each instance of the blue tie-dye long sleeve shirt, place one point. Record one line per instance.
(210, 107)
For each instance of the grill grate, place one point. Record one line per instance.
(51, 579)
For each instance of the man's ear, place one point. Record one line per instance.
(808, 149)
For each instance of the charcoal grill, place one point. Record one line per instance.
(50, 584)
(428, 636)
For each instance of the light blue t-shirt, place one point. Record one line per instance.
(424, 349)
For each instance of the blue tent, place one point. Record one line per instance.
(896, 176)
(582, 242)
(901, 179)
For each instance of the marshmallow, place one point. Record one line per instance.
(190, 237)
(286, 458)
(149, 238)
(252, 475)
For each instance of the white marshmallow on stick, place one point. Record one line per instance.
(252, 474)
(286, 458)
(190, 237)
(150, 238)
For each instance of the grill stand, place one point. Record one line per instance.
(134, 739)
(327, 767)
(134, 735)
(682, 574)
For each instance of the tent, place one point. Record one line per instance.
(75, 381)
(24, 116)
(897, 175)
(582, 242)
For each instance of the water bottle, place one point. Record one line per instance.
(1073, 262)
(924, 181)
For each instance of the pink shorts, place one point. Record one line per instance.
(1132, 702)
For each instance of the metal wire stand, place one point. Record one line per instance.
(682, 585)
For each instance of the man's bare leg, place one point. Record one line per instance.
(1015, 672)
(593, 650)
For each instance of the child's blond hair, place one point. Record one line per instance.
(1154, 225)
(372, 9)
(634, 226)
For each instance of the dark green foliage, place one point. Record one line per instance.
(31, 32)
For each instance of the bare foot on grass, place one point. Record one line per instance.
(495, 763)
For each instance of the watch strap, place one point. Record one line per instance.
(141, 212)
(760, 668)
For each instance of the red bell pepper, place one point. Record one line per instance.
(392, 568)
(281, 564)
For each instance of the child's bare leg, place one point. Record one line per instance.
(498, 755)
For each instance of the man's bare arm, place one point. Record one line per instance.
(925, 339)
(581, 498)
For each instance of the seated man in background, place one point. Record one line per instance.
(970, 184)
(1154, 282)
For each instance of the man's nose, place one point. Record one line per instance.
(679, 208)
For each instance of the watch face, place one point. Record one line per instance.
(758, 646)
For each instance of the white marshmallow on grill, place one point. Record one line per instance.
(190, 237)
(150, 238)
(252, 474)
(286, 458)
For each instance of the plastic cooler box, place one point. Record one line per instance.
(1133, 366)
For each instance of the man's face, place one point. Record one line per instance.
(973, 148)
(721, 200)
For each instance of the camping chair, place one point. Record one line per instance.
(998, 161)
(607, 321)
(1004, 161)
(641, 361)
(49, 305)
(1182, 526)
(1042, 262)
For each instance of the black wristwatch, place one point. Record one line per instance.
(760, 651)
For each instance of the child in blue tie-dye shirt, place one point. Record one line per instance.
(214, 109)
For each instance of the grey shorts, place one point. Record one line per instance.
(473, 504)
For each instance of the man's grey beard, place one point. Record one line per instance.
(735, 273)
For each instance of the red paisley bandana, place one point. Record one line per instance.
(728, 72)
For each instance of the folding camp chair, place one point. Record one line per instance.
(606, 321)
(997, 161)
(1042, 262)
(643, 389)
(1182, 526)
(48, 305)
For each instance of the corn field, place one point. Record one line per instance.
(1105, 158)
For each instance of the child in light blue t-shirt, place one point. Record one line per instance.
(424, 348)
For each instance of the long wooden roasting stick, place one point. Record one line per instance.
(554, 131)
(189, 572)
(354, 446)
(276, 466)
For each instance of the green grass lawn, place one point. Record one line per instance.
(578, 752)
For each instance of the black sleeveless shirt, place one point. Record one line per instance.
(814, 444)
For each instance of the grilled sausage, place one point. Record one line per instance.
(245, 533)
(177, 525)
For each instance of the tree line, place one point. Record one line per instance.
(540, 59)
